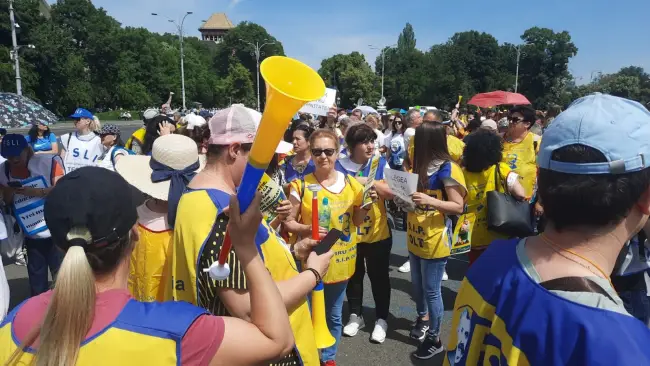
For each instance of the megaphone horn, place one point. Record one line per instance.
(290, 84)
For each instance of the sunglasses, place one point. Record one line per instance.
(398, 121)
(516, 119)
(319, 152)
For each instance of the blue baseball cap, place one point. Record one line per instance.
(617, 127)
(13, 145)
(82, 113)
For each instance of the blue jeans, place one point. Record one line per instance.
(41, 255)
(426, 276)
(334, 296)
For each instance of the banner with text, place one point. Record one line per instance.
(321, 106)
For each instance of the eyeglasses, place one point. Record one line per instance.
(398, 121)
(319, 152)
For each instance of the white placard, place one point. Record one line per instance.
(402, 184)
(321, 107)
(29, 210)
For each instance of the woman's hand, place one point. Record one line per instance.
(372, 193)
(423, 199)
(166, 128)
(283, 210)
(539, 209)
(304, 247)
(306, 233)
(243, 227)
(320, 263)
(31, 192)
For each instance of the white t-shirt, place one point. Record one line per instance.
(351, 166)
(337, 187)
(408, 136)
(81, 150)
(379, 142)
(106, 160)
(151, 220)
(397, 147)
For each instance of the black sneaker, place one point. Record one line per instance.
(420, 329)
(429, 348)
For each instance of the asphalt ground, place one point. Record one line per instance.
(358, 350)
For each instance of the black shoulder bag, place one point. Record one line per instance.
(507, 215)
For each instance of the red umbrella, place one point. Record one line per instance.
(498, 97)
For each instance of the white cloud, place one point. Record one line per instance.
(233, 3)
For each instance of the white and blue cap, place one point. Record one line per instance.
(617, 127)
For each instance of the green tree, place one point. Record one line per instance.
(352, 76)
(544, 65)
(238, 87)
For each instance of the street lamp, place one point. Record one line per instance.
(257, 53)
(517, 74)
(383, 63)
(13, 53)
(179, 27)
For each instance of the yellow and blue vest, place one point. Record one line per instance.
(502, 317)
(375, 224)
(472, 228)
(521, 157)
(291, 174)
(138, 136)
(341, 205)
(199, 213)
(428, 230)
(142, 334)
(148, 262)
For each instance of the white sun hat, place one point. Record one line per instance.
(194, 121)
(177, 152)
(238, 118)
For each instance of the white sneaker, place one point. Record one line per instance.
(405, 268)
(354, 324)
(444, 276)
(379, 333)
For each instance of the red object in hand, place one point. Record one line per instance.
(315, 232)
(225, 249)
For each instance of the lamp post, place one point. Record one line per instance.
(257, 53)
(517, 74)
(13, 53)
(383, 63)
(179, 27)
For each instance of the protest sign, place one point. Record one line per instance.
(374, 164)
(30, 210)
(272, 195)
(321, 106)
(402, 184)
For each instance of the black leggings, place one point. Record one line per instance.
(376, 257)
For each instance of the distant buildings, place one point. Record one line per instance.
(216, 27)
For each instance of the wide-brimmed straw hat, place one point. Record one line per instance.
(177, 152)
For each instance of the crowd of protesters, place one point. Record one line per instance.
(128, 231)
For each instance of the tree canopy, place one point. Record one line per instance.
(84, 57)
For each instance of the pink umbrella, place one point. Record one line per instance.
(499, 97)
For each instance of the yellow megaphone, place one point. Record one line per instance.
(322, 333)
(289, 85)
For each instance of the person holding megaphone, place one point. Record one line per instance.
(199, 235)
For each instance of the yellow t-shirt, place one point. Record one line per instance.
(198, 236)
(521, 157)
(341, 208)
(472, 226)
(428, 230)
(148, 261)
(454, 145)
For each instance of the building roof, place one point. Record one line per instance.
(217, 21)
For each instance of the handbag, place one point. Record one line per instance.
(507, 215)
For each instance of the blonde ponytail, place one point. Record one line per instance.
(69, 315)
(95, 124)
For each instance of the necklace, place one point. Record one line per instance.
(559, 250)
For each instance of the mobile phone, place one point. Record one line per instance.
(328, 241)
(14, 184)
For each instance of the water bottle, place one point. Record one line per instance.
(324, 214)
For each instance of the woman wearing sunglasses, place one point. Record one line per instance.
(520, 147)
(396, 147)
(339, 206)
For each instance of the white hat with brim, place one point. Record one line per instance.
(175, 151)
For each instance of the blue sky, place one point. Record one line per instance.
(609, 34)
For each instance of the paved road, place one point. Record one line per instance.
(352, 351)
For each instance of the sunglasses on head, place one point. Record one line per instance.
(319, 152)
